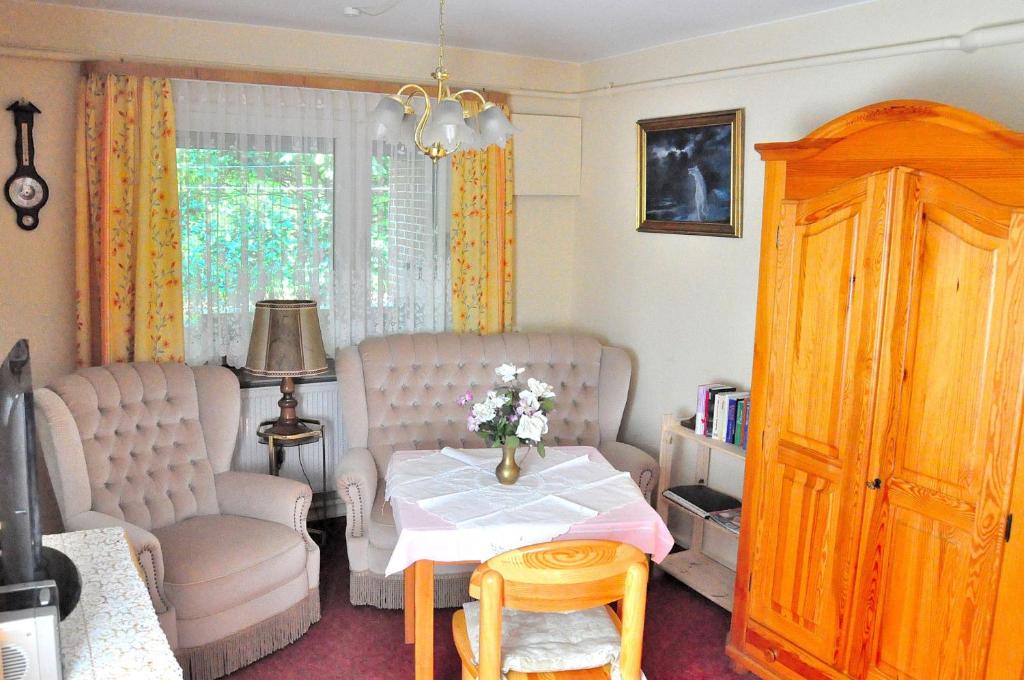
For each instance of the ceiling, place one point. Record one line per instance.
(568, 30)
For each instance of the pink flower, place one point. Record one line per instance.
(464, 399)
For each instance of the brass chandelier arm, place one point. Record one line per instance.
(421, 123)
(458, 95)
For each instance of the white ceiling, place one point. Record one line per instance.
(568, 30)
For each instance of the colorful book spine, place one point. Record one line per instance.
(746, 427)
(730, 423)
(701, 424)
(741, 408)
(713, 392)
(721, 415)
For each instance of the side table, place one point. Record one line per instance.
(276, 444)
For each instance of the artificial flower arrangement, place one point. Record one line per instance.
(512, 415)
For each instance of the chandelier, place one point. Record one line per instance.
(445, 125)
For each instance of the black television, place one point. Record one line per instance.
(23, 559)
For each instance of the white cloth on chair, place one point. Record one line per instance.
(534, 642)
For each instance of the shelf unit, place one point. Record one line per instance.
(701, 572)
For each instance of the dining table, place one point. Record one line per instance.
(449, 508)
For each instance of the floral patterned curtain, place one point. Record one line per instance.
(483, 239)
(128, 238)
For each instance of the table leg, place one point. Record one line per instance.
(424, 619)
(409, 604)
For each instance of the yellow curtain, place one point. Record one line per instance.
(128, 235)
(483, 239)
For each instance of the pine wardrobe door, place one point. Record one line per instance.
(811, 461)
(950, 392)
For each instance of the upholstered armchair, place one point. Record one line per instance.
(147, 447)
(399, 393)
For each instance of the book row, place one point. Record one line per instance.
(723, 413)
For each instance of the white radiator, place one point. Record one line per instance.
(316, 400)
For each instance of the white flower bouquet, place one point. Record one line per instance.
(511, 414)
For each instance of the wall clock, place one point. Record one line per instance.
(25, 190)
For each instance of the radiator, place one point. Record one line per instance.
(316, 400)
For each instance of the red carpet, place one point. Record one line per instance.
(684, 637)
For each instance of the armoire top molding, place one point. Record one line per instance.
(974, 151)
(895, 111)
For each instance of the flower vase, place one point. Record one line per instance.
(507, 471)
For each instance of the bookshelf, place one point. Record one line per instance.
(710, 578)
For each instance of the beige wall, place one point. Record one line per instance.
(37, 267)
(684, 305)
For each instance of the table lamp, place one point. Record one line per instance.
(286, 343)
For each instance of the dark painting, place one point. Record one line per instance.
(689, 166)
(689, 174)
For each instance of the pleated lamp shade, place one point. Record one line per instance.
(286, 340)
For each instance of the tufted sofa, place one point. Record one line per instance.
(399, 393)
(232, 573)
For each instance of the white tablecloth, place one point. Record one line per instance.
(113, 633)
(449, 502)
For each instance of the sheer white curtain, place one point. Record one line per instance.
(283, 194)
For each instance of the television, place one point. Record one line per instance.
(23, 559)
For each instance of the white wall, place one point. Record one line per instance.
(684, 305)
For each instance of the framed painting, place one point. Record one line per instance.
(691, 174)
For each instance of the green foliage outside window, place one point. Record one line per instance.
(264, 220)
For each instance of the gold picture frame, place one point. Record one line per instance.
(703, 201)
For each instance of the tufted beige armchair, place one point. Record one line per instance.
(399, 393)
(231, 570)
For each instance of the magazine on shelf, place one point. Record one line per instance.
(729, 519)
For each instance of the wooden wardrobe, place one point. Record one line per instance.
(887, 400)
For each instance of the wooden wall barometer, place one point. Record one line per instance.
(25, 190)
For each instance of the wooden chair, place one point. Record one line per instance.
(559, 576)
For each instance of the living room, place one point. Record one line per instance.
(654, 307)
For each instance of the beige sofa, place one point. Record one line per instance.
(399, 393)
(232, 573)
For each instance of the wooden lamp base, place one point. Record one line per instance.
(288, 423)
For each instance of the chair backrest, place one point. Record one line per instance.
(399, 392)
(150, 438)
(563, 576)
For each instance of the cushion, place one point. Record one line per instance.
(215, 562)
(534, 642)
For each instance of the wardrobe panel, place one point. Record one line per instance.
(827, 283)
(946, 445)
(956, 301)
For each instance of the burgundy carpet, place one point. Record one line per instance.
(684, 636)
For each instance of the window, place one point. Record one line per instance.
(283, 195)
(252, 216)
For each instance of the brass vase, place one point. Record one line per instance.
(507, 471)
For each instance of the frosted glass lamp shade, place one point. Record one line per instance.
(286, 339)
(386, 119)
(408, 134)
(447, 126)
(495, 127)
(473, 141)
